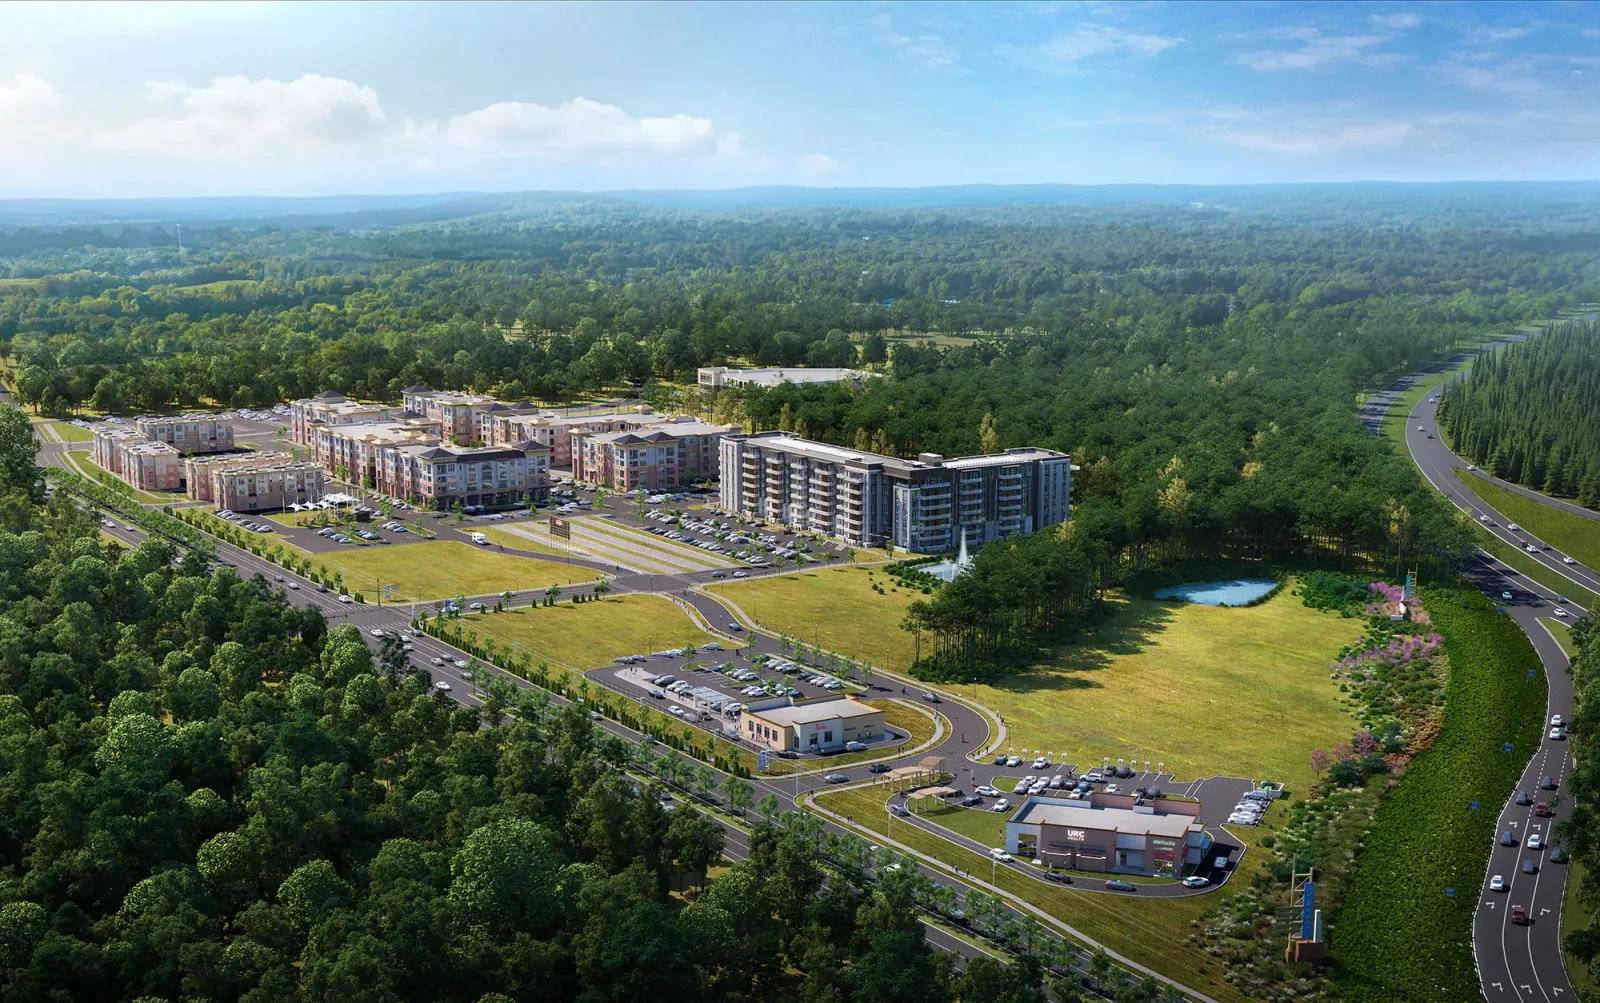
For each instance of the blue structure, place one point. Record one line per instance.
(1308, 911)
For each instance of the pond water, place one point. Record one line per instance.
(1232, 593)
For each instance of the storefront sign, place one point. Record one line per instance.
(1077, 835)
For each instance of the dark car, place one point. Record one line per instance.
(1116, 885)
(878, 768)
(1000, 759)
(1519, 915)
(1529, 867)
(836, 778)
(971, 800)
(788, 754)
(1059, 876)
(1542, 809)
(1548, 783)
(1508, 839)
(1523, 797)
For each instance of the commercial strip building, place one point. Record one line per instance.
(663, 455)
(926, 505)
(1109, 832)
(717, 377)
(823, 725)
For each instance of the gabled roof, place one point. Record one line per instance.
(420, 388)
(496, 406)
(328, 395)
(435, 453)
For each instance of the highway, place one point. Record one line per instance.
(1516, 963)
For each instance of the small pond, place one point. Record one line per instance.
(1237, 592)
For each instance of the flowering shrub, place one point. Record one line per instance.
(1392, 593)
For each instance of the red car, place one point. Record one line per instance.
(1519, 915)
(1542, 809)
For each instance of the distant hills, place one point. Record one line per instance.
(357, 212)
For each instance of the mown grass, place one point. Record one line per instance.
(69, 432)
(445, 568)
(1571, 534)
(584, 636)
(1425, 836)
(834, 607)
(1207, 690)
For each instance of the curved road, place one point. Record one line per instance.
(1516, 963)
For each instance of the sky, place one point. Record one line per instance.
(250, 98)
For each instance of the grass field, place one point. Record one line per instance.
(1562, 633)
(442, 569)
(1571, 534)
(70, 433)
(1207, 691)
(1150, 931)
(834, 607)
(569, 636)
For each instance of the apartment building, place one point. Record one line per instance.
(437, 476)
(107, 439)
(350, 452)
(197, 470)
(555, 431)
(150, 466)
(667, 454)
(268, 484)
(188, 433)
(333, 408)
(925, 505)
(454, 411)
(717, 377)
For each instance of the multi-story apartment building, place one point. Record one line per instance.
(333, 408)
(107, 439)
(150, 466)
(667, 454)
(188, 433)
(439, 475)
(197, 469)
(263, 486)
(350, 452)
(554, 431)
(925, 505)
(455, 412)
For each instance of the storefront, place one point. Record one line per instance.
(1109, 832)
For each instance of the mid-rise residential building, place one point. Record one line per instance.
(188, 433)
(440, 475)
(667, 454)
(150, 466)
(717, 377)
(925, 505)
(350, 452)
(555, 431)
(330, 407)
(455, 412)
(197, 469)
(269, 484)
(107, 438)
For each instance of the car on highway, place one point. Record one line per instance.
(1556, 734)
(1529, 867)
(836, 778)
(1543, 809)
(1195, 881)
(442, 686)
(1508, 838)
(1519, 915)
(1118, 885)
(1556, 721)
(437, 660)
(1558, 611)
(1497, 883)
(461, 663)
(1568, 560)
(1523, 797)
(375, 632)
(1513, 527)
(1548, 783)
(1000, 854)
(1535, 841)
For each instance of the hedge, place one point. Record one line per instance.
(1397, 936)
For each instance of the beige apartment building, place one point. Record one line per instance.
(333, 408)
(455, 412)
(107, 438)
(150, 466)
(264, 486)
(350, 452)
(439, 475)
(663, 455)
(555, 431)
(197, 470)
(188, 433)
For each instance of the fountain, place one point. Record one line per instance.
(947, 570)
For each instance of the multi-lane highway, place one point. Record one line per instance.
(1517, 962)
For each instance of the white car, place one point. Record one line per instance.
(1556, 721)
(442, 686)
(1559, 611)
(1568, 560)
(1421, 428)
(1535, 842)
(1556, 734)
(1113, 789)
(437, 660)
(1001, 855)
(986, 791)
(1013, 761)
(375, 632)
(1001, 805)
(346, 599)
(461, 663)
(1513, 527)
(1497, 883)
(1040, 763)
(1471, 467)
(1195, 881)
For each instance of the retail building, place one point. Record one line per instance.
(1109, 832)
(813, 726)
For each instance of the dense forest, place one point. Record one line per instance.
(207, 794)
(1580, 831)
(1531, 413)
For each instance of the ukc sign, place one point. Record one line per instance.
(1077, 835)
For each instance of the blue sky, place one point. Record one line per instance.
(263, 98)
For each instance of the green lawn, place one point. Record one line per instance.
(1150, 931)
(1206, 690)
(71, 433)
(1525, 565)
(834, 607)
(441, 569)
(569, 636)
(987, 827)
(1562, 633)
(1571, 534)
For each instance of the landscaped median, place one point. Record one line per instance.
(1572, 534)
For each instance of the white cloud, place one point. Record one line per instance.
(931, 52)
(1317, 50)
(1490, 34)
(577, 129)
(1396, 22)
(814, 165)
(237, 117)
(1100, 39)
(26, 93)
(1320, 142)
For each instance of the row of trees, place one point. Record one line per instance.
(1580, 831)
(1531, 412)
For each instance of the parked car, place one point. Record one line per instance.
(855, 746)
(971, 801)
(987, 791)
(1041, 763)
(1013, 761)
(1001, 805)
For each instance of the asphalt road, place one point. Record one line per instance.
(1516, 963)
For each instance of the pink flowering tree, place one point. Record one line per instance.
(1364, 743)
(1319, 760)
(1342, 753)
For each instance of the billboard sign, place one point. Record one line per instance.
(560, 528)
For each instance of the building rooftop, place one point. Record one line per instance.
(779, 374)
(147, 448)
(814, 711)
(1082, 815)
(1024, 454)
(665, 430)
(175, 419)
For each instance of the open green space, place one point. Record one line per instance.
(583, 636)
(69, 432)
(1150, 931)
(1562, 633)
(1206, 690)
(442, 569)
(505, 537)
(1571, 534)
(1425, 836)
(833, 607)
(987, 827)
